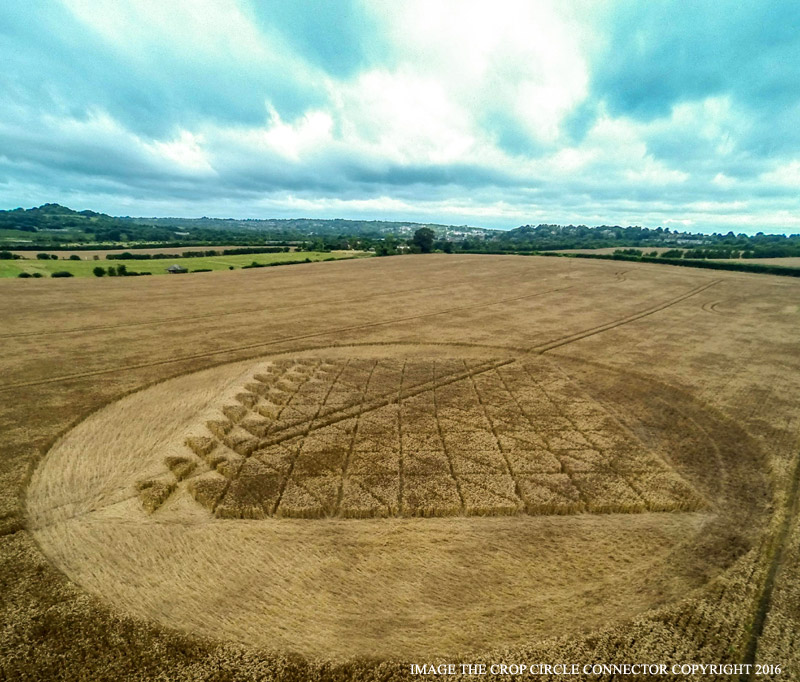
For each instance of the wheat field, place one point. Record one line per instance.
(332, 470)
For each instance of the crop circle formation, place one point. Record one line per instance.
(388, 437)
(236, 493)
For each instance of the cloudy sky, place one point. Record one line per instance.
(492, 112)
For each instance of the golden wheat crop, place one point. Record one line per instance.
(468, 458)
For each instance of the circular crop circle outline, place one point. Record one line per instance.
(193, 558)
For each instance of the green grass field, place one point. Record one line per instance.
(84, 268)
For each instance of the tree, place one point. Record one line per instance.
(74, 256)
(423, 238)
(386, 247)
(99, 272)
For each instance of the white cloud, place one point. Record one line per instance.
(185, 153)
(513, 56)
(199, 27)
(294, 140)
(724, 181)
(654, 173)
(464, 109)
(404, 118)
(785, 175)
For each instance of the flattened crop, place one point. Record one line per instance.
(361, 438)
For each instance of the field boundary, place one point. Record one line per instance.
(756, 268)
(708, 264)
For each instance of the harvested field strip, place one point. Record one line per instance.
(778, 553)
(543, 348)
(265, 344)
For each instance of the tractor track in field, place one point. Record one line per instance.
(765, 599)
(578, 336)
(711, 307)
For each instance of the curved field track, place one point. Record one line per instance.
(542, 457)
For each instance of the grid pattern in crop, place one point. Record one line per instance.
(365, 438)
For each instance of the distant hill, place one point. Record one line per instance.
(317, 227)
(44, 217)
(91, 226)
(51, 209)
(52, 225)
